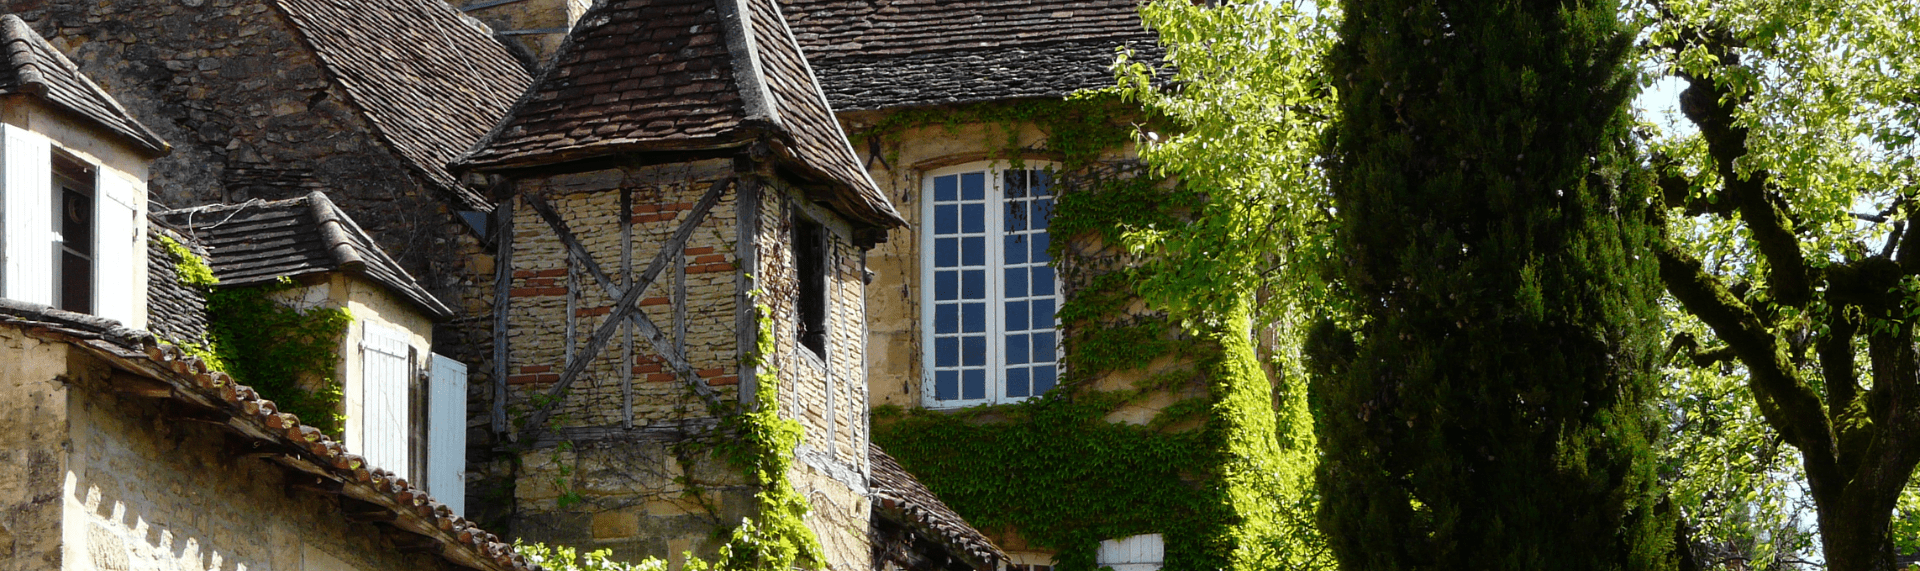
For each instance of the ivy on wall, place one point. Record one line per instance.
(1222, 471)
(288, 355)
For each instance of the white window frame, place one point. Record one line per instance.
(996, 292)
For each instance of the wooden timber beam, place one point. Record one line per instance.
(627, 306)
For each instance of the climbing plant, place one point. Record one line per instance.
(288, 354)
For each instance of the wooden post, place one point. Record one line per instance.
(746, 326)
(626, 281)
(502, 294)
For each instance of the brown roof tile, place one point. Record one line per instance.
(679, 75)
(29, 65)
(431, 81)
(874, 54)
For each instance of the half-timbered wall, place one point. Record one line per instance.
(828, 397)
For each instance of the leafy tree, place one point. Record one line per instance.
(1485, 404)
(1788, 243)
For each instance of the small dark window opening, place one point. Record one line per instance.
(73, 225)
(810, 262)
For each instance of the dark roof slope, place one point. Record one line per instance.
(641, 76)
(29, 65)
(430, 81)
(163, 371)
(176, 312)
(874, 54)
(259, 242)
(900, 497)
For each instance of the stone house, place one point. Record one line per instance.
(121, 451)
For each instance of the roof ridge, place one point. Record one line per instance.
(745, 49)
(336, 242)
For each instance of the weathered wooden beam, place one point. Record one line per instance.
(746, 315)
(627, 305)
(136, 385)
(626, 280)
(502, 292)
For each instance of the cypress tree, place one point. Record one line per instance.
(1483, 403)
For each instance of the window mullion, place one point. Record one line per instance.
(996, 298)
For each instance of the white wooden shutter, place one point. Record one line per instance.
(383, 414)
(26, 175)
(447, 433)
(1136, 553)
(119, 254)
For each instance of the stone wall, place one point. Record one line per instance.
(533, 29)
(251, 114)
(829, 396)
(109, 482)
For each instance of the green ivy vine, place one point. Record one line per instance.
(1217, 470)
(265, 344)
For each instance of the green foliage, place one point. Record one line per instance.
(1484, 405)
(1077, 130)
(563, 558)
(191, 270)
(1807, 105)
(288, 354)
(763, 449)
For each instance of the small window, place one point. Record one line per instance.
(989, 292)
(810, 263)
(73, 233)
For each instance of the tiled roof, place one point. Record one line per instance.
(873, 54)
(33, 67)
(162, 371)
(642, 76)
(259, 242)
(898, 496)
(431, 81)
(176, 312)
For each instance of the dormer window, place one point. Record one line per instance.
(989, 293)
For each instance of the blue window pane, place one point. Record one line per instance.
(974, 384)
(1015, 249)
(973, 251)
(1042, 313)
(973, 284)
(946, 252)
(946, 318)
(1042, 182)
(1017, 382)
(1043, 349)
(946, 385)
(1042, 212)
(1042, 280)
(946, 189)
(1039, 240)
(973, 218)
(973, 351)
(973, 317)
(946, 219)
(1016, 284)
(1017, 346)
(1016, 182)
(946, 352)
(1016, 217)
(973, 186)
(946, 285)
(1017, 314)
(1043, 378)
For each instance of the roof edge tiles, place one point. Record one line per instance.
(34, 68)
(898, 496)
(746, 56)
(296, 447)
